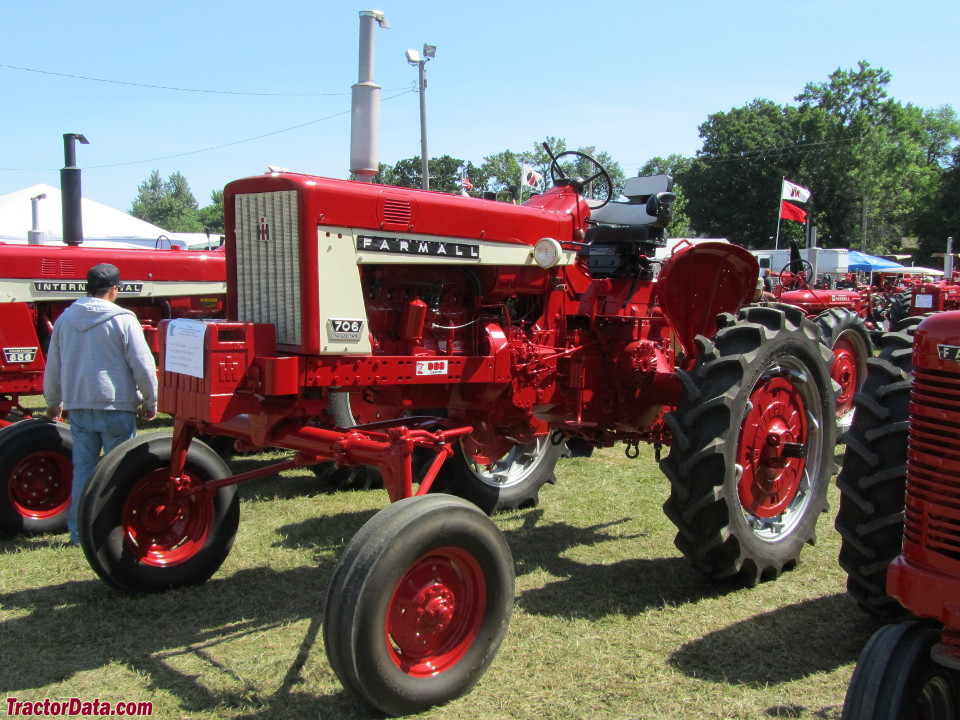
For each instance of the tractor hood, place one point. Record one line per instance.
(700, 281)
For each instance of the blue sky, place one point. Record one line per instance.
(634, 79)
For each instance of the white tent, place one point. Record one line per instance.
(917, 270)
(101, 224)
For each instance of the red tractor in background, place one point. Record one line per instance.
(899, 518)
(38, 283)
(435, 337)
(938, 296)
(845, 316)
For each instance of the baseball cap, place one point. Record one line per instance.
(102, 276)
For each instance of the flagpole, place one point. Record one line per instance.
(776, 242)
(520, 185)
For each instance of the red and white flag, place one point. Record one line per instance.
(790, 191)
(531, 178)
(789, 211)
(467, 185)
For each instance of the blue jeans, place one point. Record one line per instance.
(91, 431)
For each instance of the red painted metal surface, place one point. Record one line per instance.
(777, 420)
(846, 372)
(40, 484)
(163, 526)
(926, 577)
(436, 612)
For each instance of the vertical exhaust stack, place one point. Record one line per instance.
(948, 260)
(365, 111)
(35, 234)
(70, 194)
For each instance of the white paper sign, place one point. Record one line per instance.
(184, 347)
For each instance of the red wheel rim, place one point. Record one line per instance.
(40, 485)
(164, 526)
(845, 371)
(436, 611)
(773, 430)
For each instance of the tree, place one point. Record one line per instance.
(211, 216)
(941, 218)
(732, 186)
(870, 162)
(169, 205)
(673, 165)
(446, 173)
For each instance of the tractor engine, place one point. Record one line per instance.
(442, 306)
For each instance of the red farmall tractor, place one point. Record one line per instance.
(902, 549)
(454, 343)
(38, 283)
(845, 316)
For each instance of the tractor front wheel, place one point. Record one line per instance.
(141, 532)
(896, 678)
(753, 442)
(419, 603)
(36, 470)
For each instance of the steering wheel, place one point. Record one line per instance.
(599, 184)
(799, 278)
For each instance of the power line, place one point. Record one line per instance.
(759, 153)
(168, 87)
(208, 149)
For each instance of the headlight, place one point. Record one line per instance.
(547, 252)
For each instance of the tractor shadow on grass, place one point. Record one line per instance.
(789, 643)
(60, 631)
(593, 591)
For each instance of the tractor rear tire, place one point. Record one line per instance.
(896, 679)
(419, 604)
(753, 444)
(900, 307)
(873, 479)
(139, 534)
(36, 469)
(847, 335)
(512, 482)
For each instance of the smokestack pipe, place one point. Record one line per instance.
(70, 194)
(35, 234)
(365, 108)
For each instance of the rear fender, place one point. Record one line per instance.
(698, 282)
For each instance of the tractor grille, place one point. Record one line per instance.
(268, 262)
(932, 514)
(397, 212)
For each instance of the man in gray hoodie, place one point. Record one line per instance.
(100, 371)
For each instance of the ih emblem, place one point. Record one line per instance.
(264, 230)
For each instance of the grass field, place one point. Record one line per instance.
(610, 620)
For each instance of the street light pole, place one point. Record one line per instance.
(415, 58)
